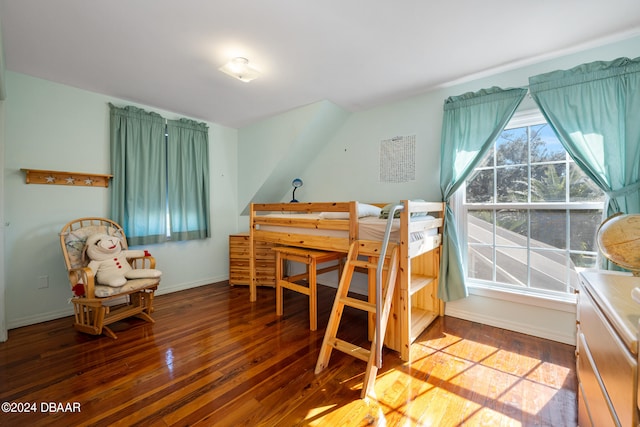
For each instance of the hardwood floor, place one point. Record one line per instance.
(213, 358)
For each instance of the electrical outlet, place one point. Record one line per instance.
(43, 282)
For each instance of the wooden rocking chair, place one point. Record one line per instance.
(95, 305)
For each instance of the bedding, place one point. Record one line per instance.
(384, 212)
(370, 227)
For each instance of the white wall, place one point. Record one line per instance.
(55, 127)
(347, 169)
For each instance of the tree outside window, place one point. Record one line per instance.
(530, 215)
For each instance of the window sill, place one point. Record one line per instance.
(566, 304)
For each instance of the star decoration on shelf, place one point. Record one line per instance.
(36, 176)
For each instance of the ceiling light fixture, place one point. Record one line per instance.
(240, 69)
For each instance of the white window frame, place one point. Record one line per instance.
(533, 296)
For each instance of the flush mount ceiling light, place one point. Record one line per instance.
(240, 69)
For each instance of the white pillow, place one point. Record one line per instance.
(368, 210)
(363, 210)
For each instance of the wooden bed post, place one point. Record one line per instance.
(353, 222)
(252, 259)
(404, 295)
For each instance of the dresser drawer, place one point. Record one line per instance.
(237, 251)
(594, 407)
(239, 261)
(611, 360)
(584, 419)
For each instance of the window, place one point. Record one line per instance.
(528, 213)
(160, 167)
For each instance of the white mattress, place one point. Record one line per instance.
(370, 228)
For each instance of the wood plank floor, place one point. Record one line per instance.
(213, 358)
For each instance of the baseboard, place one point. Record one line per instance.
(356, 287)
(57, 314)
(189, 285)
(39, 318)
(359, 282)
(524, 328)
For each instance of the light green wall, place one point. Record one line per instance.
(3, 95)
(285, 145)
(55, 127)
(3, 319)
(348, 168)
(3, 88)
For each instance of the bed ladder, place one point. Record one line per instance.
(372, 356)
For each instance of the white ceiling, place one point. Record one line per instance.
(355, 53)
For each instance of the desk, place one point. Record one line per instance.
(311, 258)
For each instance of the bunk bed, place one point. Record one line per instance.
(334, 226)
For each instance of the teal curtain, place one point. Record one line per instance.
(138, 158)
(470, 125)
(188, 179)
(595, 111)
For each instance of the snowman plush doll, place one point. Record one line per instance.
(109, 262)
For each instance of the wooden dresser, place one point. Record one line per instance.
(239, 261)
(607, 349)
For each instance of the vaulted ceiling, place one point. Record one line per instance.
(357, 54)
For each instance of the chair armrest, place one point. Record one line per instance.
(147, 261)
(85, 276)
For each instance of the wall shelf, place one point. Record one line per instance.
(36, 176)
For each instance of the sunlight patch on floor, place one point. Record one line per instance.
(550, 374)
(319, 411)
(489, 417)
(511, 362)
(473, 380)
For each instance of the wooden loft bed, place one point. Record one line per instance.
(334, 226)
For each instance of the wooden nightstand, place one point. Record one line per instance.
(239, 261)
